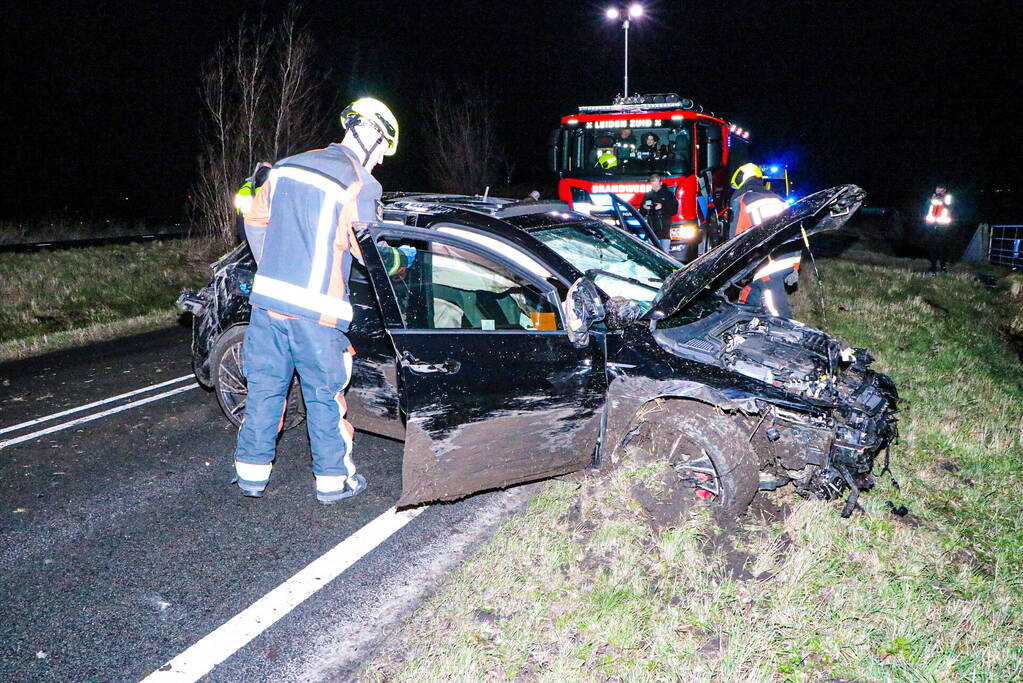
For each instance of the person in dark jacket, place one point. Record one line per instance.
(659, 205)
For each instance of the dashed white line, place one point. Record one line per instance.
(94, 416)
(199, 659)
(72, 411)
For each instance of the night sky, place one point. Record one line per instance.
(100, 99)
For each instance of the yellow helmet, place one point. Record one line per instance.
(607, 160)
(373, 112)
(744, 173)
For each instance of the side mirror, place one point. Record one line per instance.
(583, 307)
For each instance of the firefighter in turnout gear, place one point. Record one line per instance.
(938, 221)
(300, 229)
(752, 203)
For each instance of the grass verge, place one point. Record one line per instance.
(56, 299)
(580, 587)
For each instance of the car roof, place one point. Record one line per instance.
(510, 219)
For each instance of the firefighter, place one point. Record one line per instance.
(245, 195)
(938, 218)
(752, 203)
(300, 231)
(659, 205)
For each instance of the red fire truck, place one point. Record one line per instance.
(612, 149)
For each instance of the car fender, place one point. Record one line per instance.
(629, 397)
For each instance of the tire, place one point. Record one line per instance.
(227, 373)
(710, 453)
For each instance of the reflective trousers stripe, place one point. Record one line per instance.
(326, 483)
(253, 473)
(304, 298)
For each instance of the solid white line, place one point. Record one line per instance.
(199, 659)
(71, 411)
(94, 416)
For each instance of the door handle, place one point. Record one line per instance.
(420, 367)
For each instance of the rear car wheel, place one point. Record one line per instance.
(709, 453)
(228, 373)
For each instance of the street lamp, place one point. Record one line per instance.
(633, 11)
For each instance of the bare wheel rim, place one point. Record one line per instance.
(697, 471)
(231, 380)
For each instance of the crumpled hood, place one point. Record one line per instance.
(820, 212)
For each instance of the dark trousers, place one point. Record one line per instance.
(274, 350)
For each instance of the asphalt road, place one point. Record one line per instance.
(122, 543)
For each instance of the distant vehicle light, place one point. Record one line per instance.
(612, 13)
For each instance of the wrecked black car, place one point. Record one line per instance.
(526, 341)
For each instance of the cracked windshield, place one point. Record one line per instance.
(617, 263)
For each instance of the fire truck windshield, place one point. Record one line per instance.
(635, 151)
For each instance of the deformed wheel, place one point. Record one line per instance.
(228, 374)
(709, 453)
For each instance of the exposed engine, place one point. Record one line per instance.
(824, 453)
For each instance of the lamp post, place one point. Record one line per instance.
(633, 11)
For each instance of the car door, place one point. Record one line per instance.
(372, 395)
(493, 391)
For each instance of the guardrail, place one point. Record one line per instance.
(94, 242)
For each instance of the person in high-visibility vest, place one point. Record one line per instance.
(752, 204)
(938, 219)
(301, 232)
(246, 194)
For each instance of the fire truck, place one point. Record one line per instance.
(610, 150)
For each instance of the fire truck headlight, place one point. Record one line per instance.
(683, 231)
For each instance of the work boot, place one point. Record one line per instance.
(248, 492)
(355, 485)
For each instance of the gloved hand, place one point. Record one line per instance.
(409, 253)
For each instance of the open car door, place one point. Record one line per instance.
(492, 389)
(632, 221)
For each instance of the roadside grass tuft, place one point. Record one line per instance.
(580, 588)
(52, 299)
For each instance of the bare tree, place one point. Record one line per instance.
(261, 102)
(461, 134)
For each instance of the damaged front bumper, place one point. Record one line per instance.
(826, 454)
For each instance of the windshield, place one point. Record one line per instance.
(617, 263)
(636, 151)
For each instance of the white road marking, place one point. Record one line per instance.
(72, 411)
(94, 416)
(199, 659)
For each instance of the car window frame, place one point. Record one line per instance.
(393, 320)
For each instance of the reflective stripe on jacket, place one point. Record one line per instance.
(307, 211)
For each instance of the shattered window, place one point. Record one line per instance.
(446, 287)
(617, 263)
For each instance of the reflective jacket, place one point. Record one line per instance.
(938, 212)
(751, 208)
(300, 231)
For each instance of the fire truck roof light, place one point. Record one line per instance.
(572, 122)
(773, 169)
(745, 134)
(612, 13)
(635, 10)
